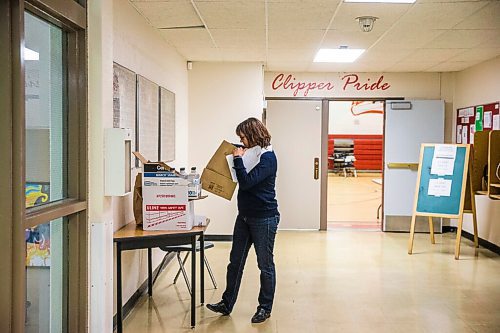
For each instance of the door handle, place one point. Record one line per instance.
(316, 168)
(411, 166)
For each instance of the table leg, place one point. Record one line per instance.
(202, 267)
(150, 273)
(119, 314)
(193, 279)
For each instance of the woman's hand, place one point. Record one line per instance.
(239, 152)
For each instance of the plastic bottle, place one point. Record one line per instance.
(183, 173)
(194, 187)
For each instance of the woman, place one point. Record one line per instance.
(257, 219)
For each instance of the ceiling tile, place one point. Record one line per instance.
(493, 42)
(169, 14)
(408, 38)
(300, 15)
(408, 66)
(201, 53)
(461, 39)
(477, 55)
(387, 54)
(440, 15)
(250, 54)
(438, 55)
(233, 14)
(450, 66)
(301, 55)
(239, 38)
(287, 66)
(187, 38)
(295, 38)
(353, 39)
(486, 18)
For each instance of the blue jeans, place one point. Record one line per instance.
(261, 233)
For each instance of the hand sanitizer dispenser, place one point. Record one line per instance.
(117, 161)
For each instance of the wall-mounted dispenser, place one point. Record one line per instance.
(117, 161)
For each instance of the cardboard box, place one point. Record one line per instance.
(216, 177)
(165, 204)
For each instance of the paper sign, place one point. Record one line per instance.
(465, 120)
(442, 166)
(479, 118)
(496, 122)
(459, 133)
(465, 134)
(445, 151)
(472, 131)
(462, 113)
(439, 187)
(487, 119)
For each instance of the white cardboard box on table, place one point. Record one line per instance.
(165, 203)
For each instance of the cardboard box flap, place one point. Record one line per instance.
(145, 161)
(218, 162)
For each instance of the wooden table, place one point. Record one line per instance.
(131, 237)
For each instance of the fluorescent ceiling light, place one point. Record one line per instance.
(30, 54)
(383, 1)
(338, 55)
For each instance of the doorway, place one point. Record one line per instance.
(355, 164)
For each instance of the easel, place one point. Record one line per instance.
(461, 200)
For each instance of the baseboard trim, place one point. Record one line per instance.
(132, 302)
(482, 242)
(219, 238)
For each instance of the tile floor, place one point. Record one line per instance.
(350, 281)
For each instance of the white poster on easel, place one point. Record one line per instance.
(439, 187)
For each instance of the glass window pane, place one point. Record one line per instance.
(46, 277)
(46, 116)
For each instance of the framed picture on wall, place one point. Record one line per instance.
(167, 128)
(148, 118)
(124, 101)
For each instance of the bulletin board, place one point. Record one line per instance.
(124, 101)
(485, 117)
(167, 128)
(148, 118)
(442, 205)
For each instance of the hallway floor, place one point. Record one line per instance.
(346, 281)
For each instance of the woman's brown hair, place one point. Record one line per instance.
(255, 132)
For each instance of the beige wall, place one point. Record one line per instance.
(480, 85)
(221, 95)
(118, 33)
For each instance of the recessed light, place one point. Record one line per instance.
(383, 1)
(30, 54)
(338, 55)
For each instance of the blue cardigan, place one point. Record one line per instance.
(256, 193)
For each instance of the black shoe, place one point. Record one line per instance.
(260, 316)
(219, 308)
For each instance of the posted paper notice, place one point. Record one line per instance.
(487, 119)
(496, 122)
(442, 166)
(445, 151)
(439, 187)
